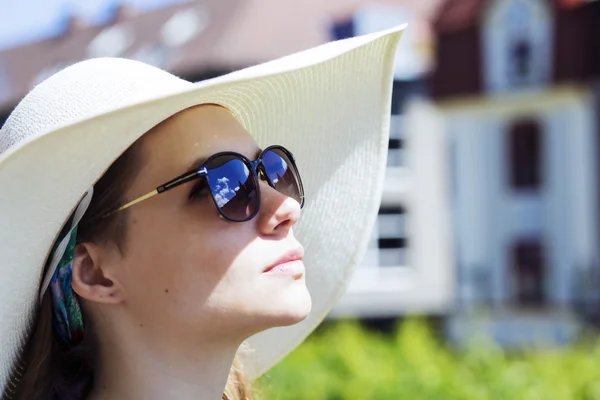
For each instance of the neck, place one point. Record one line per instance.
(138, 368)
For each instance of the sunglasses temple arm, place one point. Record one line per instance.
(131, 203)
(169, 185)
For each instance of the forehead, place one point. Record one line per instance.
(205, 129)
(196, 133)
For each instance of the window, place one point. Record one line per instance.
(528, 273)
(521, 59)
(184, 26)
(520, 26)
(342, 29)
(391, 241)
(402, 92)
(517, 45)
(395, 152)
(396, 142)
(113, 41)
(525, 155)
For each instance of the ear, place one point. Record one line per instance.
(91, 278)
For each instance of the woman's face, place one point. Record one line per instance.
(187, 271)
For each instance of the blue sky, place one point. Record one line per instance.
(26, 20)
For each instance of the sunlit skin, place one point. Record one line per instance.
(171, 311)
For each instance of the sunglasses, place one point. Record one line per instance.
(233, 181)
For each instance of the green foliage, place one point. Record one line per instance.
(346, 361)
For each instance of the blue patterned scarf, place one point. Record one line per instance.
(67, 317)
(66, 312)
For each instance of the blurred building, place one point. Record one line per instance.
(491, 194)
(516, 94)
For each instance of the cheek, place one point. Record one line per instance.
(185, 268)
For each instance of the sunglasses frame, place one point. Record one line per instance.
(257, 170)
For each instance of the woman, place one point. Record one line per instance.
(146, 222)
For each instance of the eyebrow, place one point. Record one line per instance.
(199, 162)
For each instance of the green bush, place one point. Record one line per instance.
(346, 361)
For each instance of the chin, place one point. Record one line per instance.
(291, 307)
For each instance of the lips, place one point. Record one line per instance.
(287, 259)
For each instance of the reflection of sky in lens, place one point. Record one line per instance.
(275, 166)
(233, 172)
(281, 174)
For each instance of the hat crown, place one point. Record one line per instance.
(83, 90)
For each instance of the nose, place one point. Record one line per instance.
(278, 212)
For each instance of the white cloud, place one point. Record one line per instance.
(224, 193)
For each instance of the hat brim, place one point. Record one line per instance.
(330, 105)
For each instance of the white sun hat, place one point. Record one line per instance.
(329, 105)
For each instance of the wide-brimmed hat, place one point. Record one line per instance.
(329, 105)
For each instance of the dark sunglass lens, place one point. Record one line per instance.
(233, 187)
(283, 174)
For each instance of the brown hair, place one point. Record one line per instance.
(50, 370)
